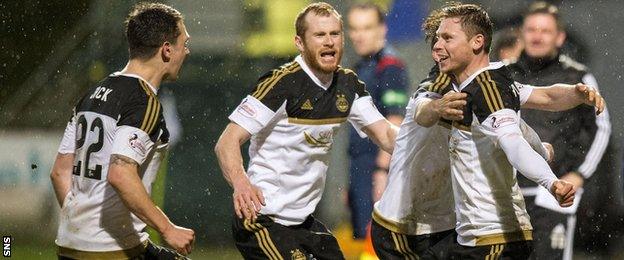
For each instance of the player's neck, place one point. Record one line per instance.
(145, 70)
(480, 61)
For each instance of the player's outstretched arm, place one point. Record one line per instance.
(503, 126)
(247, 198)
(559, 97)
(123, 176)
(61, 175)
(383, 133)
(450, 106)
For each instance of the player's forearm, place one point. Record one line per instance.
(61, 175)
(383, 158)
(426, 113)
(557, 97)
(230, 160)
(527, 161)
(124, 178)
(382, 133)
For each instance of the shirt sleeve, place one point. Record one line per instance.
(132, 142)
(68, 142)
(524, 91)
(252, 115)
(533, 139)
(267, 97)
(503, 127)
(138, 127)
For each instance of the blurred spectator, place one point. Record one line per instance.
(507, 46)
(386, 80)
(579, 136)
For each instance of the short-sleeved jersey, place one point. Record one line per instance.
(418, 198)
(120, 115)
(293, 118)
(489, 206)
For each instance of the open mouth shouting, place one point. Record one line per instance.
(328, 56)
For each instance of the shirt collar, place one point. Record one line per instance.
(492, 66)
(299, 59)
(118, 73)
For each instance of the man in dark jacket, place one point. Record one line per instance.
(578, 136)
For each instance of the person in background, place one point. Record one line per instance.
(387, 81)
(578, 135)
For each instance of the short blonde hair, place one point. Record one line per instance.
(320, 9)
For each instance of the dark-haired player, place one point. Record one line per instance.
(112, 148)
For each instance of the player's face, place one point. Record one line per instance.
(366, 31)
(323, 42)
(452, 49)
(179, 51)
(541, 36)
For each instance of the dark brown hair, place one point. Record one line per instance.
(320, 9)
(540, 7)
(148, 26)
(474, 20)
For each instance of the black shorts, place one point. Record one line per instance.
(265, 239)
(392, 245)
(147, 251)
(519, 250)
(553, 232)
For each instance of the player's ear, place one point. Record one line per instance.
(299, 43)
(165, 51)
(477, 42)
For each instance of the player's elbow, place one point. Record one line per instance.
(114, 177)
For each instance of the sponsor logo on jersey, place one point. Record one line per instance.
(324, 139)
(498, 121)
(341, 103)
(137, 144)
(246, 109)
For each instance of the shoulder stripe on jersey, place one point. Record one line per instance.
(443, 83)
(487, 93)
(497, 96)
(154, 119)
(152, 110)
(348, 71)
(435, 82)
(266, 81)
(268, 84)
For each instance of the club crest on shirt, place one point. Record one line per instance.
(246, 109)
(296, 255)
(498, 121)
(341, 103)
(136, 144)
